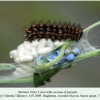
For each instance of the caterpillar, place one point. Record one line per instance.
(53, 31)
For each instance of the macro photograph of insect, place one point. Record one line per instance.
(49, 44)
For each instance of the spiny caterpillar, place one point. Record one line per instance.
(53, 32)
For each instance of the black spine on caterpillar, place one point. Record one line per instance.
(53, 32)
(48, 30)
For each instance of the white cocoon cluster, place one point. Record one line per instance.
(34, 52)
(49, 43)
(13, 54)
(57, 43)
(17, 60)
(25, 58)
(35, 43)
(27, 45)
(25, 67)
(44, 51)
(42, 44)
(28, 51)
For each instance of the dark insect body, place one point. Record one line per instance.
(54, 32)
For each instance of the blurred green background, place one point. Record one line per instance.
(14, 16)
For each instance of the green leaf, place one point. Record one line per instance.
(38, 80)
(22, 80)
(5, 66)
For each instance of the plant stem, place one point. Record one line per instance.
(53, 72)
(48, 65)
(88, 55)
(91, 27)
